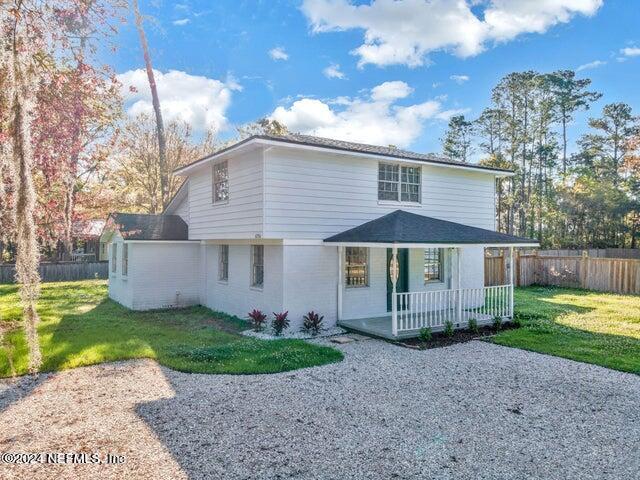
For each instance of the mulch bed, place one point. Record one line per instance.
(439, 339)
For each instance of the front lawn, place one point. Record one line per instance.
(592, 327)
(81, 326)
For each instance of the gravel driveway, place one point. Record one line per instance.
(473, 411)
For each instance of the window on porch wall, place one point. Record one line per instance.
(432, 265)
(356, 267)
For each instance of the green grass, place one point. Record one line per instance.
(81, 326)
(582, 325)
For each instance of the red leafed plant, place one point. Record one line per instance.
(312, 323)
(257, 319)
(280, 322)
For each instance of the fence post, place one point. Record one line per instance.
(584, 269)
(511, 281)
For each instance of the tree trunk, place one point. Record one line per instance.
(162, 146)
(27, 258)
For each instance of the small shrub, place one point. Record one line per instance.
(257, 319)
(516, 321)
(497, 322)
(448, 328)
(280, 322)
(473, 325)
(425, 334)
(312, 323)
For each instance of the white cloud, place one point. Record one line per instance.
(181, 22)
(591, 65)
(278, 53)
(459, 79)
(374, 118)
(333, 71)
(630, 51)
(198, 100)
(406, 31)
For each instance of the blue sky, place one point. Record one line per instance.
(399, 69)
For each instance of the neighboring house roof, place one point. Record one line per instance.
(403, 227)
(137, 226)
(344, 146)
(88, 228)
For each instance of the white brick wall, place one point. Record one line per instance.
(310, 283)
(161, 275)
(236, 296)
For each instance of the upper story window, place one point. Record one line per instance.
(257, 265)
(220, 182)
(114, 257)
(357, 267)
(399, 183)
(125, 259)
(223, 263)
(432, 265)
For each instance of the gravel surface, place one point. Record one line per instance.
(470, 411)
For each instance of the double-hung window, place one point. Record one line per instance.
(220, 182)
(125, 259)
(357, 267)
(399, 183)
(432, 265)
(114, 257)
(223, 263)
(257, 266)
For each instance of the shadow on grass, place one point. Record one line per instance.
(193, 339)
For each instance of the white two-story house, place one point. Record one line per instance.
(376, 239)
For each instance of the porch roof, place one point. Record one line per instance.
(409, 229)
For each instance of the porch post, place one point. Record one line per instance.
(511, 268)
(459, 286)
(394, 269)
(340, 276)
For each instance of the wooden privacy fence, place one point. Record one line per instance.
(61, 271)
(617, 275)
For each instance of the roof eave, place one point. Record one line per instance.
(264, 141)
(430, 245)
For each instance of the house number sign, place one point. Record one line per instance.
(394, 268)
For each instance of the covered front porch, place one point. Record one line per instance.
(457, 296)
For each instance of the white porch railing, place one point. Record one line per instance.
(432, 309)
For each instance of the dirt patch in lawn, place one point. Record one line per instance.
(439, 339)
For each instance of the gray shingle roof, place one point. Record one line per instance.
(311, 141)
(404, 227)
(137, 226)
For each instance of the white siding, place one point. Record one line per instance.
(182, 209)
(314, 195)
(236, 296)
(242, 216)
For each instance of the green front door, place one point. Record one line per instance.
(402, 284)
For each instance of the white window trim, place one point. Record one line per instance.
(252, 285)
(223, 280)
(124, 274)
(213, 184)
(399, 201)
(368, 267)
(442, 269)
(113, 251)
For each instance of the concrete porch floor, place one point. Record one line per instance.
(381, 326)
